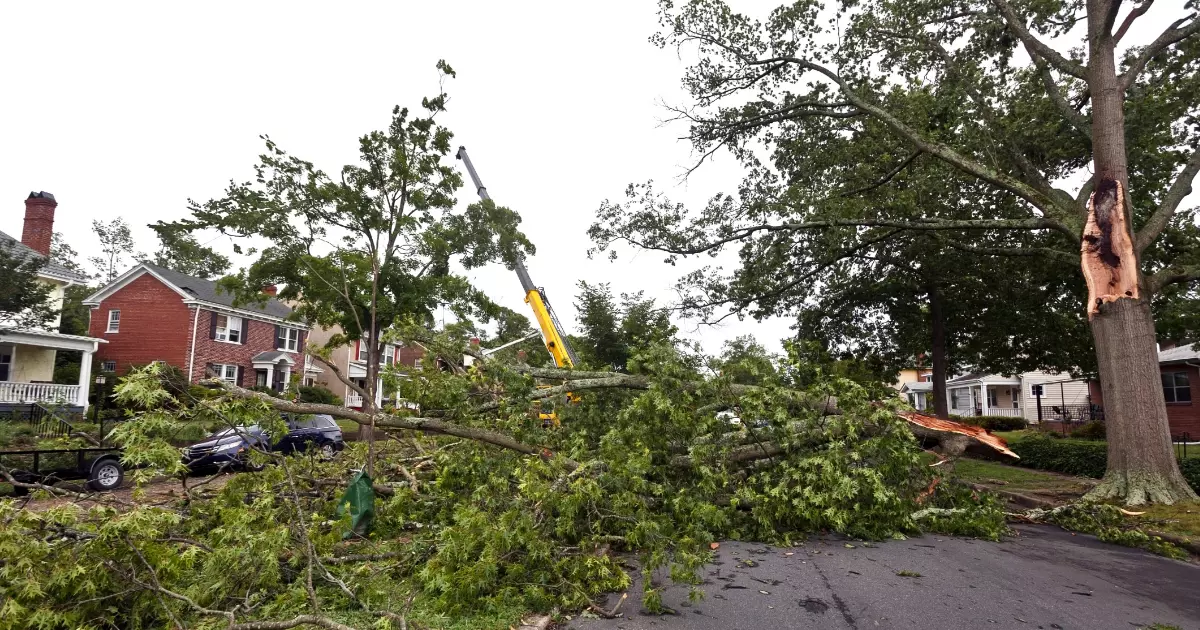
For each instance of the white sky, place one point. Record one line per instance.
(128, 109)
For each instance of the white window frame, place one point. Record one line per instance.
(291, 339)
(114, 323)
(108, 366)
(389, 355)
(363, 350)
(224, 372)
(227, 332)
(993, 398)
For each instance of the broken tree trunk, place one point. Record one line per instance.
(1141, 462)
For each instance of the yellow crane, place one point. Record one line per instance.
(535, 297)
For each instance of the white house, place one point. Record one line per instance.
(999, 395)
(27, 355)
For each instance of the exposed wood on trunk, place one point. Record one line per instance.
(936, 428)
(1109, 261)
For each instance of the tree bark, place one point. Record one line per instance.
(1141, 462)
(941, 408)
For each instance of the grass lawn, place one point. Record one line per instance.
(1022, 480)
(1181, 518)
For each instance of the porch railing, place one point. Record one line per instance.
(38, 392)
(1002, 411)
(354, 400)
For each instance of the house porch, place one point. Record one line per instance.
(27, 369)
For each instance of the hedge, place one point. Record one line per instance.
(1079, 457)
(993, 423)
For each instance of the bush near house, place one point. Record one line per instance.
(993, 423)
(1090, 431)
(318, 394)
(1086, 458)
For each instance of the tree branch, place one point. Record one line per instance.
(337, 372)
(1017, 25)
(1072, 115)
(1037, 223)
(1061, 256)
(1170, 36)
(387, 421)
(886, 178)
(1180, 188)
(1129, 19)
(1173, 276)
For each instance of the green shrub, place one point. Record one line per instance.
(1004, 423)
(993, 423)
(318, 394)
(1073, 457)
(1190, 468)
(1090, 431)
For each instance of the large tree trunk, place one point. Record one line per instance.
(941, 408)
(1141, 462)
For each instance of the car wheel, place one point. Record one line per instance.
(327, 451)
(106, 475)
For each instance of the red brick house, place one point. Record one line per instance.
(1180, 368)
(152, 313)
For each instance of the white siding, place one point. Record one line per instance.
(1072, 393)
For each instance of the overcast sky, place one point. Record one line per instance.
(130, 108)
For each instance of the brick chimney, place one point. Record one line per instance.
(39, 221)
(271, 290)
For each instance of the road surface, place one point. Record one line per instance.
(1042, 578)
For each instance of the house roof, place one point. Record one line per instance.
(1186, 352)
(193, 288)
(272, 356)
(976, 377)
(50, 269)
(917, 386)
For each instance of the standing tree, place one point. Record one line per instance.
(808, 74)
(25, 301)
(116, 242)
(180, 251)
(371, 247)
(611, 332)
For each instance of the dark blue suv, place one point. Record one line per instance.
(231, 447)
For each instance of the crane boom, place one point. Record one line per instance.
(552, 330)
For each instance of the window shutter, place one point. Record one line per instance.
(279, 336)
(210, 369)
(212, 324)
(243, 334)
(240, 374)
(300, 342)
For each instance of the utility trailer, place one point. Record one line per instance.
(98, 464)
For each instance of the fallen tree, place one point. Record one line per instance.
(482, 511)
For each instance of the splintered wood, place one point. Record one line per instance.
(954, 437)
(1109, 263)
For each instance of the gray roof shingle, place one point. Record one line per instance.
(1186, 352)
(207, 291)
(51, 268)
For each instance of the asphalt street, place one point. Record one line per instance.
(1042, 578)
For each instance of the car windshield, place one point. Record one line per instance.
(250, 430)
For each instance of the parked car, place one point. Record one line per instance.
(231, 447)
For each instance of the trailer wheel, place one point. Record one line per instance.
(106, 474)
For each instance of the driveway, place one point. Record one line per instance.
(1042, 578)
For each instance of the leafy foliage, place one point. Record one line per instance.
(610, 331)
(180, 251)
(466, 530)
(117, 248)
(25, 301)
(1108, 524)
